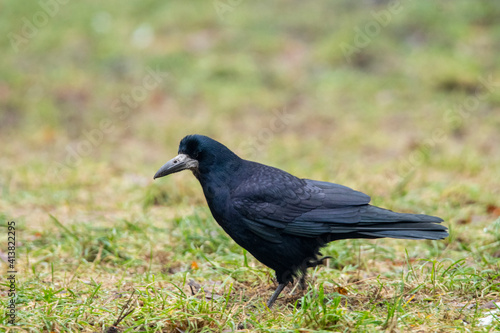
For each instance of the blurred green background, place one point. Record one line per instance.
(362, 93)
(398, 99)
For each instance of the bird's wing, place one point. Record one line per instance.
(274, 202)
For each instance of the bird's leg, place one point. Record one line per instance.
(302, 282)
(275, 295)
(317, 262)
(310, 263)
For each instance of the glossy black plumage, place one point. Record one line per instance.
(283, 220)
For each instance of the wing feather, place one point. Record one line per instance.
(273, 201)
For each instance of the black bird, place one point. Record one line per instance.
(283, 220)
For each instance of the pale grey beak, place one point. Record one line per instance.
(178, 163)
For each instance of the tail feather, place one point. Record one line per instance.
(370, 222)
(377, 214)
(379, 223)
(408, 234)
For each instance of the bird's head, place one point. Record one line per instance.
(199, 154)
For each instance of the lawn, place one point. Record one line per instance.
(397, 99)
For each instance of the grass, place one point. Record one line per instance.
(411, 119)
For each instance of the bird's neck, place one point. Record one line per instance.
(213, 182)
(218, 182)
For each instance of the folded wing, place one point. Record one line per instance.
(280, 203)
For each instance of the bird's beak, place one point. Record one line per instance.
(178, 163)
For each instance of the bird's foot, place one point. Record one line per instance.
(317, 262)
